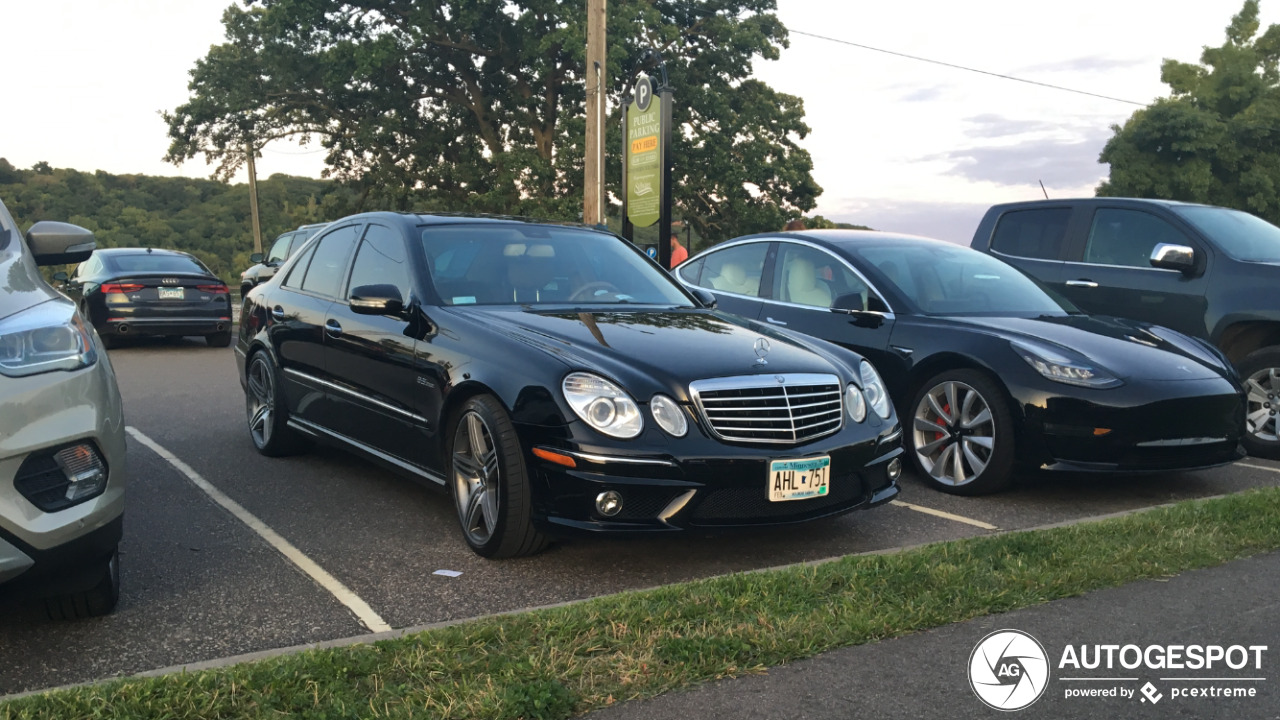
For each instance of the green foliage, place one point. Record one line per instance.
(206, 218)
(479, 106)
(817, 222)
(1216, 138)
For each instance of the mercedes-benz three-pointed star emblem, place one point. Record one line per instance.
(762, 349)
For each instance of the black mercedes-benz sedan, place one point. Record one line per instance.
(556, 381)
(992, 370)
(130, 292)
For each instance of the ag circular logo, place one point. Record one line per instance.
(1008, 670)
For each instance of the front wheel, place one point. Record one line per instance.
(265, 410)
(1260, 371)
(962, 434)
(96, 601)
(490, 483)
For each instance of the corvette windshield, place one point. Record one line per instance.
(503, 264)
(945, 280)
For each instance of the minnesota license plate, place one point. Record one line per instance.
(171, 293)
(799, 479)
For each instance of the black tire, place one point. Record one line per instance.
(969, 452)
(1260, 373)
(265, 411)
(244, 290)
(220, 340)
(96, 601)
(489, 482)
(110, 342)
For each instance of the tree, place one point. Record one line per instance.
(478, 105)
(1216, 138)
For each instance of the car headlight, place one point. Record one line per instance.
(48, 337)
(873, 388)
(668, 415)
(1059, 367)
(855, 403)
(602, 405)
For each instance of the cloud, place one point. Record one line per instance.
(1093, 63)
(1055, 162)
(950, 221)
(924, 94)
(990, 125)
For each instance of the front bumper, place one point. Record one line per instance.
(705, 485)
(1140, 427)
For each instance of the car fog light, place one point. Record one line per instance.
(894, 468)
(609, 503)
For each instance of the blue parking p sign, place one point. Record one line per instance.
(652, 252)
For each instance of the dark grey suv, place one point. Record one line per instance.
(281, 249)
(1208, 272)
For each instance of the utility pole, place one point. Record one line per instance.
(249, 152)
(593, 156)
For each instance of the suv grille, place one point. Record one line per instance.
(788, 409)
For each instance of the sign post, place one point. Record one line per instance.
(646, 171)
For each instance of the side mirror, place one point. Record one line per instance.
(255, 258)
(59, 243)
(1168, 256)
(705, 298)
(381, 299)
(60, 276)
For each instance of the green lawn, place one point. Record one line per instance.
(555, 662)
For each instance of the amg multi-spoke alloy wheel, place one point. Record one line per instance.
(961, 437)
(265, 412)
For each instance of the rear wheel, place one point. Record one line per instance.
(962, 434)
(265, 410)
(221, 339)
(1260, 371)
(490, 484)
(97, 600)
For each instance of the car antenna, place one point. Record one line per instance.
(1046, 192)
(148, 249)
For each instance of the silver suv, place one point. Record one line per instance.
(62, 446)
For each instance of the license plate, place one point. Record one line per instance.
(799, 479)
(171, 293)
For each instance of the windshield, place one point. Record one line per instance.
(1239, 234)
(155, 262)
(954, 280)
(499, 264)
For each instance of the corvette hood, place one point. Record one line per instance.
(654, 350)
(1126, 348)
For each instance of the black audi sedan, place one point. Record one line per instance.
(132, 292)
(992, 370)
(556, 381)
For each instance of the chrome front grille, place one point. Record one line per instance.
(788, 409)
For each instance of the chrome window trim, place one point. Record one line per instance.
(1124, 267)
(739, 382)
(347, 391)
(312, 428)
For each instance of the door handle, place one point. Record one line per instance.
(775, 322)
(1082, 283)
(333, 328)
(277, 312)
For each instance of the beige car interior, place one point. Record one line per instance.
(803, 286)
(734, 279)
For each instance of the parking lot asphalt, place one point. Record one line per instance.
(199, 584)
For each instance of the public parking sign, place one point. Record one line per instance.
(644, 155)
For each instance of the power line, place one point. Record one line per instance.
(962, 67)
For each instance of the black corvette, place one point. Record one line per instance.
(556, 381)
(990, 368)
(128, 292)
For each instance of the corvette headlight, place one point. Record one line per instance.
(855, 403)
(873, 388)
(1059, 367)
(602, 405)
(669, 416)
(48, 337)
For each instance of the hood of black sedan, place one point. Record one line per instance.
(668, 347)
(1121, 346)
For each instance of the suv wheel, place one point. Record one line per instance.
(1260, 371)
(97, 600)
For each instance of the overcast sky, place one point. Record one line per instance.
(898, 144)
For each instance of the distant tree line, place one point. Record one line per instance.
(207, 218)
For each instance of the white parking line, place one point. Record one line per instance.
(946, 515)
(362, 611)
(1258, 467)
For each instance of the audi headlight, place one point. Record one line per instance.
(873, 388)
(669, 416)
(602, 405)
(48, 337)
(1060, 367)
(855, 403)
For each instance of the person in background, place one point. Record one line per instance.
(678, 252)
(797, 224)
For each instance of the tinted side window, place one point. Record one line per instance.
(1127, 237)
(329, 262)
(381, 259)
(1032, 233)
(691, 271)
(280, 248)
(736, 269)
(299, 269)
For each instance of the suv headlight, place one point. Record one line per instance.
(1058, 366)
(50, 336)
(873, 388)
(602, 405)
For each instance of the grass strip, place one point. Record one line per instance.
(555, 662)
